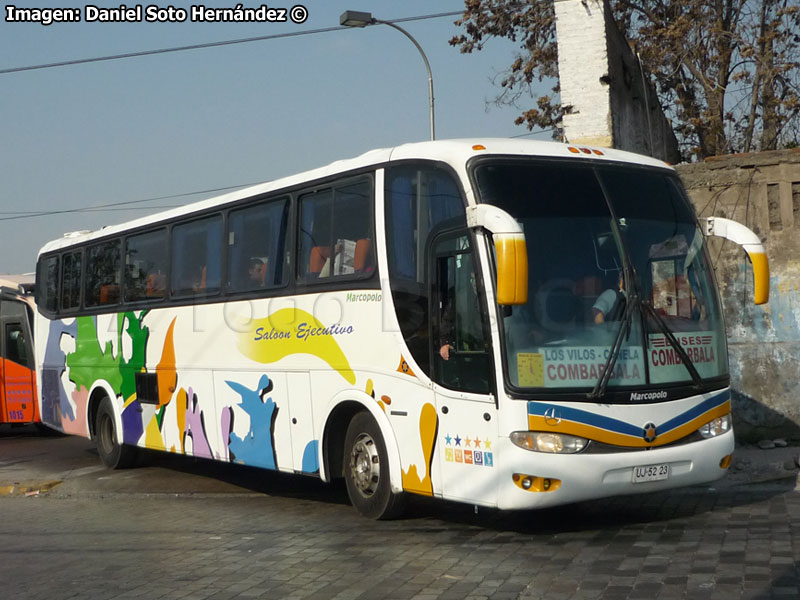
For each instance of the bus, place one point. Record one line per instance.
(424, 319)
(18, 398)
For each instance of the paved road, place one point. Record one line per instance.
(178, 528)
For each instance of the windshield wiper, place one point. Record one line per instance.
(625, 324)
(602, 384)
(687, 362)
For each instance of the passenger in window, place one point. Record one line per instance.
(447, 331)
(610, 305)
(467, 329)
(155, 285)
(199, 280)
(256, 272)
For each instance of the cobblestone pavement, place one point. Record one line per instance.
(290, 537)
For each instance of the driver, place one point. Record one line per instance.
(610, 304)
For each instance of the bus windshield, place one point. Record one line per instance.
(619, 283)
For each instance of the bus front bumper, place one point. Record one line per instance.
(538, 480)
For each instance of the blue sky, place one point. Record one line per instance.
(93, 134)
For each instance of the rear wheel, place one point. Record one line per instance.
(367, 470)
(112, 453)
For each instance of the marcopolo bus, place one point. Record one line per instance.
(507, 323)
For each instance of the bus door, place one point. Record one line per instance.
(462, 370)
(16, 364)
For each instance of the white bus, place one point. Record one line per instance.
(507, 323)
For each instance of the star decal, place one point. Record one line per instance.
(458, 441)
(448, 440)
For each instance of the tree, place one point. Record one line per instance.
(727, 72)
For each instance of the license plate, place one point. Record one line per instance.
(650, 473)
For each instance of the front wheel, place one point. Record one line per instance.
(113, 454)
(367, 470)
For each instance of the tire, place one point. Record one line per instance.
(366, 470)
(112, 454)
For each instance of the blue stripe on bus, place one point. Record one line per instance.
(584, 417)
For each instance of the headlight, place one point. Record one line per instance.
(554, 443)
(716, 427)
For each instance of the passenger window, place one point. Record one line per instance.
(47, 284)
(256, 246)
(102, 274)
(16, 350)
(146, 266)
(460, 352)
(418, 198)
(336, 237)
(71, 281)
(197, 257)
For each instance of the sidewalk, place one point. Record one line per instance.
(752, 464)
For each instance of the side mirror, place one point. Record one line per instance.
(510, 249)
(747, 239)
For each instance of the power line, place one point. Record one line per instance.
(113, 205)
(27, 213)
(261, 38)
(519, 135)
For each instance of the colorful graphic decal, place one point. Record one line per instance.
(256, 448)
(166, 373)
(404, 368)
(195, 427)
(468, 451)
(175, 420)
(383, 402)
(90, 362)
(56, 406)
(294, 331)
(310, 460)
(80, 398)
(428, 425)
(582, 423)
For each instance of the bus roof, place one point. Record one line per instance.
(453, 152)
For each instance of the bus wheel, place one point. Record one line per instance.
(113, 454)
(367, 470)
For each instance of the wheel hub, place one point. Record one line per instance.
(365, 465)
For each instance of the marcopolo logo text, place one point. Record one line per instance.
(662, 395)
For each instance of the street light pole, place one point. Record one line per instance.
(352, 18)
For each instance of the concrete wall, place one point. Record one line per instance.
(762, 191)
(613, 103)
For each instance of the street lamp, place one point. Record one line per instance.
(354, 18)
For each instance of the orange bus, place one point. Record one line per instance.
(17, 375)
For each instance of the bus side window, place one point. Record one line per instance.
(71, 281)
(335, 236)
(15, 344)
(197, 256)
(257, 245)
(47, 286)
(102, 274)
(146, 266)
(314, 239)
(460, 350)
(417, 199)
